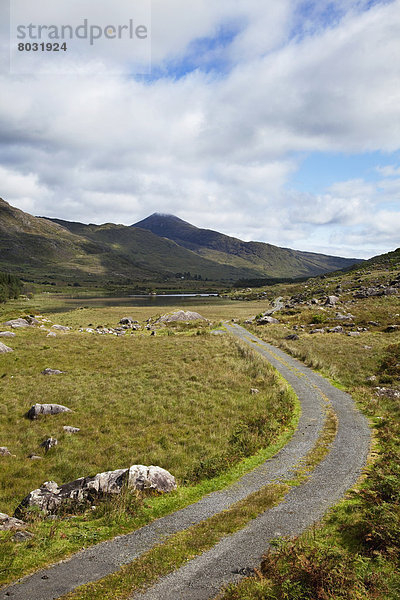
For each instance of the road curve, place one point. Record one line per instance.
(203, 577)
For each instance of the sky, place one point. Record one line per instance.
(264, 120)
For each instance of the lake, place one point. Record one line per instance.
(65, 303)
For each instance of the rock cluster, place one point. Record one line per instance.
(50, 497)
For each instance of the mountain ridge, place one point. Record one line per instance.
(158, 248)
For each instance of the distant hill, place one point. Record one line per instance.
(267, 260)
(156, 249)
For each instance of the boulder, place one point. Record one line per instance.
(354, 334)
(7, 523)
(7, 334)
(50, 497)
(265, 320)
(127, 321)
(181, 316)
(151, 478)
(52, 372)
(17, 323)
(71, 430)
(331, 301)
(390, 291)
(392, 328)
(317, 331)
(293, 336)
(4, 349)
(61, 328)
(337, 329)
(254, 391)
(51, 334)
(46, 409)
(35, 457)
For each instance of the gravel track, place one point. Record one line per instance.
(203, 577)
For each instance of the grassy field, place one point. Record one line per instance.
(180, 400)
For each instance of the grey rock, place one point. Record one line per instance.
(35, 457)
(293, 337)
(61, 328)
(49, 443)
(127, 321)
(181, 316)
(17, 323)
(266, 320)
(388, 392)
(392, 328)
(22, 536)
(354, 333)
(337, 329)
(372, 378)
(390, 291)
(7, 334)
(72, 430)
(4, 451)
(332, 301)
(50, 497)
(51, 334)
(318, 330)
(46, 409)
(52, 372)
(7, 523)
(4, 349)
(254, 391)
(340, 317)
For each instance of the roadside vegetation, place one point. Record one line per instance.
(180, 400)
(354, 553)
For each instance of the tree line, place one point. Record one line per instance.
(10, 287)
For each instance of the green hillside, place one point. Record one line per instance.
(267, 260)
(155, 250)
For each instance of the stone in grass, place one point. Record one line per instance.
(50, 497)
(331, 301)
(52, 372)
(4, 349)
(22, 536)
(180, 316)
(48, 444)
(61, 328)
(266, 320)
(7, 334)
(17, 323)
(5, 451)
(46, 409)
(7, 523)
(254, 391)
(35, 457)
(71, 430)
(293, 336)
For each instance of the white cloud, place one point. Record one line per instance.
(218, 150)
